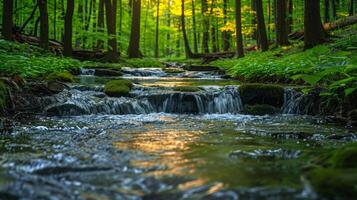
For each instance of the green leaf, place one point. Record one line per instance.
(349, 91)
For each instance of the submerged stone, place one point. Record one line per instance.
(253, 94)
(117, 88)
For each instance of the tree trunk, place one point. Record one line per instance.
(213, 30)
(68, 28)
(195, 44)
(55, 19)
(168, 24)
(239, 38)
(326, 11)
(120, 21)
(134, 44)
(262, 35)
(44, 41)
(351, 8)
(281, 23)
(334, 9)
(100, 28)
(29, 19)
(254, 21)
(7, 21)
(204, 9)
(314, 31)
(183, 26)
(225, 34)
(290, 16)
(111, 13)
(157, 30)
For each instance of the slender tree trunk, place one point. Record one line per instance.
(314, 31)
(68, 28)
(120, 20)
(54, 19)
(239, 40)
(269, 18)
(351, 8)
(290, 15)
(29, 19)
(225, 34)
(213, 29)
(100, 28)
(204, 9)
(185, 39)
(134, 44)
(281, 23)
(195, 44)
(254, 21)
(111, 13)
(168, 23)
(7, 19)
(334, 9)
(326, 11)
(262, 35)
(44, 41)
(157, 30)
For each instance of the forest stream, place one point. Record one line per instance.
(162, 143)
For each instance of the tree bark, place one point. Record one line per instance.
(351, 10)
(239, 38)
(262, 35)
(68, 29)
(205, 37)
(326, 11)
(314, 31)
(44, 39)
(183, 26)
(281, 23)
(134, 44)
(290, 16)
(7, 19)
(225, 34)
(111, 11)
(157, 30)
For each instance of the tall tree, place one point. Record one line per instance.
(111, 13)
(68, 28)
(261, 30)
(134, 44)
(281, 23)
(213, 29)
(195, 44)
(351, 9)
(44, 39)
(157, 29)
(183, 26)
(290, 15)
(7, 19)
(205, 37)
(314, 31)
(100, 27)
(326, 11)
(225, 34)
(239, 38)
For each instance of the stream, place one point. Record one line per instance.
(160, 143)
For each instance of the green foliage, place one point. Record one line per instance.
(28, 61)
(64, 76)
(187, 89)
(143, 62)
(3, 95)
(117, 88)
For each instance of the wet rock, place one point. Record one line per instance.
(352, 117)
(66, 108)
(266, 154)
(107, 72)
(253, 94)
(46, 88)
(260, 110)
(203, 68)
(68, 169)
(64, 76)
(118, 88)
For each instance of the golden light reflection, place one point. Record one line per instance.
(170, 145)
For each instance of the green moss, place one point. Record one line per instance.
(117, 88)
(345, 157)
(334, 182)
(3, 95)
(261, 109)
(64, 76)
(269, 94)
(187, 89)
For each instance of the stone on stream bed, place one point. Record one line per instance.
(118, 88)
(203, 68)
(253, 94)
(64, 76)
(187, 89)
(260, 109)
(107, 72)
(335, 173)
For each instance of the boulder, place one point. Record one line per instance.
(267, 94)
(260, 109)
(107, 72)
(118, 88)
(66, 108)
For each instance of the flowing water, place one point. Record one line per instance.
(162, 144)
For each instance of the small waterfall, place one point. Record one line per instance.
(88, 72)
(157, 72)
(297, 103)
(76, 102)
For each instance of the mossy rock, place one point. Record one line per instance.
(118, 88)
(345, 157)
(334, 183)
(187, 89)
(64, 76)
(253, 94)
(260, 109)
(3, 95)
(173, 70)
